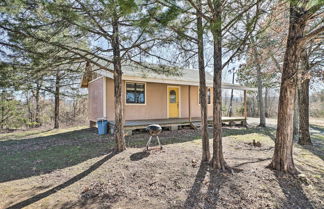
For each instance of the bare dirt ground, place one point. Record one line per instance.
(78, 170)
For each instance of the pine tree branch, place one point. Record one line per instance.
(312, 34)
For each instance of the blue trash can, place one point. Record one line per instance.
(102, 127)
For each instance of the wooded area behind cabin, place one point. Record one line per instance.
(23, 111)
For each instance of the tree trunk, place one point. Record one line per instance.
(282, 159)
(296, 116)
(252, 106)
(75, 106)
(2, 109)
(304, 136)
(57, 101)
(259, 83)
(37, 108)
(119, 112)
(30, 112)
(266, 95)
(217, 161)
(230, 109)
(202, 89)
(303, 95)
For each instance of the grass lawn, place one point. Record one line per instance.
(75, 168)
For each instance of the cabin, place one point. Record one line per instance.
(150, 96)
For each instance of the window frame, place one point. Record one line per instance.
(207, 88)
(135, 82)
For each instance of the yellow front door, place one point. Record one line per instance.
(173, 102)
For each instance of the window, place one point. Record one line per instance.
(173, 96)
(135, 93)
(208, 96)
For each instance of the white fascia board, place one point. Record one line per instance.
(171, 81)
(157, 80)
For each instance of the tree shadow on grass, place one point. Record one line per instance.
(318, 128)
(318, 146)
(16, 135)
(28, 157)
(251, 162)
(269, 132)
(317, 139)
(216, 179)
(232, 131)
(244, 131)
(293, 191)
(49, 140)
(194, 196)
(63, 185)
(34, 156)
(166, 137)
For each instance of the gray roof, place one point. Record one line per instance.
(165, 74)
(147, 70)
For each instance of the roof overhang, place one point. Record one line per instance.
(173, 81)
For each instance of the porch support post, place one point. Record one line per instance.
(189, 105)
(245, 106)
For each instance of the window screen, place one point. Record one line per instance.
(135, 93)
(208, 96)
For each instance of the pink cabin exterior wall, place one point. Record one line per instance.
(155, 106)
(95, 99)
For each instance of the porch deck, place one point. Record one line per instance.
(139, 124)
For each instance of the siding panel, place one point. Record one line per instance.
(95, 96)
